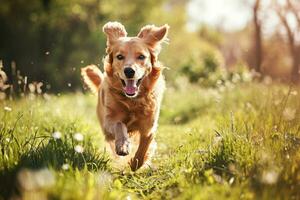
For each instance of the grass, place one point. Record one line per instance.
(237, 142)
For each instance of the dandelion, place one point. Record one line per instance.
(69, 84)
(56, 135)
(78, 137)
(78, 148)
(47, 53)
(39, 87)
(231, 180)
(8, 109)
(31, 87)
(269, 177)
(65, 166)
(128, 198)
(247, 77)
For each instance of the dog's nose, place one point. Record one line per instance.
(129, 72)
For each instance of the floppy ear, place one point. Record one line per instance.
(153, 35)
(92, 77)
(113, 31)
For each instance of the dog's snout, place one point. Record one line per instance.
(129, 72)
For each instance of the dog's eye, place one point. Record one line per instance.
(120, 57)
(141, 57)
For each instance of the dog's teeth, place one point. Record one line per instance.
(133, 84)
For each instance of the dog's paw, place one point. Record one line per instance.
(136, 163)
(122, 147)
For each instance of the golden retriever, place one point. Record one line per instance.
(131, 88)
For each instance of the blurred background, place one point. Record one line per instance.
(46, 42)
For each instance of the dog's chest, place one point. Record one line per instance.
(140, 114)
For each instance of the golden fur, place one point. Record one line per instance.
(121, 116)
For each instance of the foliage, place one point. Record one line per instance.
(50, 40)
(204, 68)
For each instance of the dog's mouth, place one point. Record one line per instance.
(131, 86)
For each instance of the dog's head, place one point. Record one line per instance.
(131, 59)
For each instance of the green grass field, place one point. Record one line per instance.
(234, 142)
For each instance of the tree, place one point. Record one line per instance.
(291, 8)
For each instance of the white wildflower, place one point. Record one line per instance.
(231, 180)
(269, 177)
(247, 77)
(31, 87)
(78, 137)
(78, 148)
(128, 198)
(56, 135)
(65, 166)
(8, 109)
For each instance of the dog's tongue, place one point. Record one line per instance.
(130, 87)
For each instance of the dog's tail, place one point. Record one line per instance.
(92, 77)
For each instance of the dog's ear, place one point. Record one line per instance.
(113, 31)
(153, 35)
(92, 77)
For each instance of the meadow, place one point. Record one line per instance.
(233, 141)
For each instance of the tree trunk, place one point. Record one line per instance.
(295, 75)
(257, 37)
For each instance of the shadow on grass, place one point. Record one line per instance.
(184, 116)
(53, 155)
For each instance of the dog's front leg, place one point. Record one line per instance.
(142, 153)
(122, 143)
